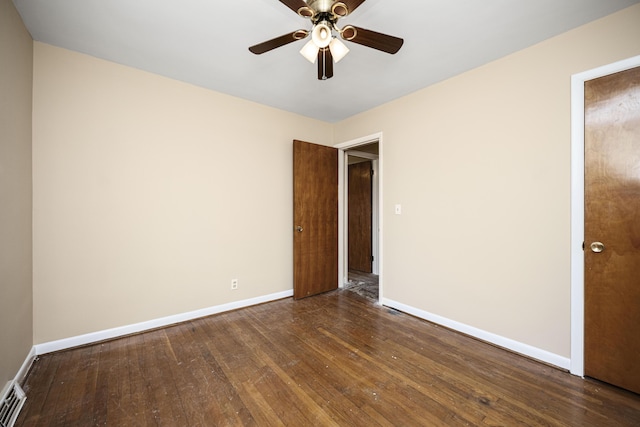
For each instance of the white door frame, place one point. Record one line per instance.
(577, 204)
(377, 205)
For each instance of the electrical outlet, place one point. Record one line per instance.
(234, 283)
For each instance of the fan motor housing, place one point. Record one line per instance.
(321, 5)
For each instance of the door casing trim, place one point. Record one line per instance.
(577, 203)
(342, 170)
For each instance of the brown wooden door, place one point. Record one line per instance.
(612, 217)
(315, 216)
(359, 230)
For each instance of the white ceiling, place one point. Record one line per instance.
(204, 42)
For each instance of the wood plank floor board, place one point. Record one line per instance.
(85, 383)
(413, 377)
(236, 365)
(360, 388)
(380, 350)
(472, 367)
(168, 406)
(283, 364)
(370, 381)
(198, 383)
(214, 388)
(416, 370)
(44, 368)
(290, 369)
(366, 387)
(336, 359)
(141, 402)
(197, 380)
(67, 391)
(362, 345)
(327, 384)
(484, 373)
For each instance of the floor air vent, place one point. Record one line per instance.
(12, 402)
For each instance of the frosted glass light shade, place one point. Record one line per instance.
(338, 49)
(310, 51)
(321, 35)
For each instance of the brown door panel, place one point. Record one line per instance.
(360, 210)
(315, 215)
(612, 229)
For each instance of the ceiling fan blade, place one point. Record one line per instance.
(325, 64)
(373, 39)
(299, 7)
(278, 41)
(352, 4)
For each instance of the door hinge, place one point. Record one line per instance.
(372, 172)
(371, 258)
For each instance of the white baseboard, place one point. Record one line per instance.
(22, 373)
(92, 337)
(516, 346)
(26, 365)
(63, 344)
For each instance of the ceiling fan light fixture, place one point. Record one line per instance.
(300, 34)
(306, 12)
(321, 34)
(349, 32)
(310, 51)
(325, 48)
(340, 9)
(338, 49)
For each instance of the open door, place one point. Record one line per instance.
(315, 216)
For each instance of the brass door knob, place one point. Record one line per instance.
(299, 229)
(597, 247)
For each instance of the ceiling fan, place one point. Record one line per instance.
(324, 46)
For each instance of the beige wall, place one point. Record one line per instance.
(150, 195)
(16, 59)
(481, 166)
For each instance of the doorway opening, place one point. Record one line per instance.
(360, 221)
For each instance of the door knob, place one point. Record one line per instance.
(299, 229)
(597, 247)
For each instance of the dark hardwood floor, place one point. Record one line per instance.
(334, 359)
